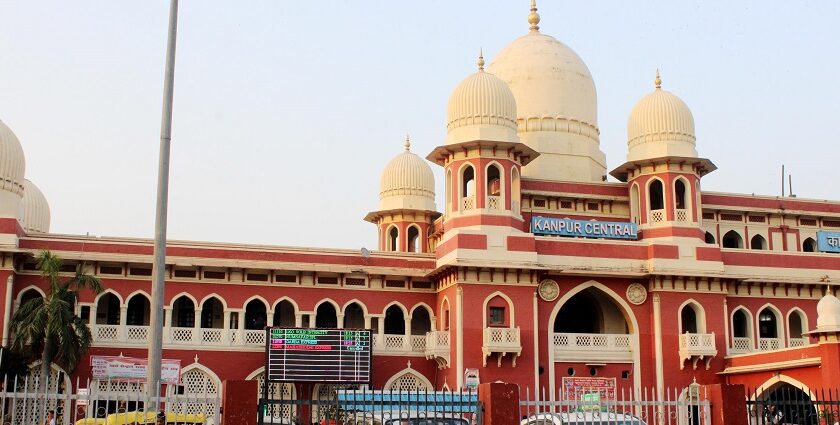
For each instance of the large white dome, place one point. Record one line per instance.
(407, 182)
(12, 161)
(557, 107)
(660, 125)
(481, 107)
(828, 314)
(35, 211)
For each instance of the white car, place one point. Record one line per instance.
(582, 418)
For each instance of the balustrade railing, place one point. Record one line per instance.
(494, 202)
(741, 345)
(606, 347)
(699, 343)
(768, 344)
(468, 203)
(798, 342)
(500, 338)
(657, 216)
(682, 215)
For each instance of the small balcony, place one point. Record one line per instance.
(501, 341)
(399, 345)
(577, 347)
(696, 347)
(437, 347)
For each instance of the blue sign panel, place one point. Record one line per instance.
(584, 228)
(828, 241)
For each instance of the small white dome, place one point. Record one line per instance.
(12, 161)
(407, 182)
(481, 107)
(828, 314)
(660, 125)
(35, 211)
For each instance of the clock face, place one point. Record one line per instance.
(548, 290)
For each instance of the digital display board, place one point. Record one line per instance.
(318, 355)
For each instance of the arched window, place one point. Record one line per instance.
(413, 239)
(634, 203)
(656, 200)
(108, 310)
(498, 312)
(810, 245)
(740, 324)
(284, 314)
(710, 238)
(421, 322)
(758, 242)
(137, 312)
(394, 321)
(688, 320)
(732, 239)
(183, 312)
(28, 295)
(680, 201)
(212, 314)
(444, 310)
(325, 316)
(494, 188)
(797, 326)
(516, 196)
(468, 188)
(354, 316)
(255, 317)
(767, 324)
(393, 238)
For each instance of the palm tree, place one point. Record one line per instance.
(49, 325)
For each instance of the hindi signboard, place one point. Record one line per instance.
(319, 355)
(118, 368)
(583, 228)
(828, 241)
(588, 392)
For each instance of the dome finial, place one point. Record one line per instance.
(534, 17)
(407, 143)
(480, 59)
(658, 81)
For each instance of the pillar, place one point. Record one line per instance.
(501, 403)
(407, 333)
(239, 402)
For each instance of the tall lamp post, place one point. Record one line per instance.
(159, 265)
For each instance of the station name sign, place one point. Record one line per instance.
(828, 241)
(583, 228)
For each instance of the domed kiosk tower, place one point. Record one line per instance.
(12, 169)
(557, 106)
(482, 159)
(663, 169)
(406, 204)
(35, 211)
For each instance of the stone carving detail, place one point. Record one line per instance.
(636, 293)
(549, 290)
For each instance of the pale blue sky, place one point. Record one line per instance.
(286, 112)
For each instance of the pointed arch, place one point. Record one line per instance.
(179, 295)
(515, 190)
(710, 238)
(741, 327)
(699, 317)
(394, 318)
(214, 295)
(635, 203)
(626, 310)
(758, 242)
(444, 313)
(395, 303)
(655, 190)
(494, 185)
(422, 319)
(413, 238)
(105, 293)
(408, 379)
(29, 288)
(448, 191)
(423, 305)
(276, 391)
(796, 323)
(732, 239)
(357, 301)
(354, 317)
(466, 186)
(809, 245)
(392, 238)
(682, 199)
(138, 309)
(285, 298)
(769, 326)
(197, 380)
(507, 299)
(183, 314)
(325, 318)
(136, 292)
(775, 381)
(108, 308)
(212, 310)
(256, 297)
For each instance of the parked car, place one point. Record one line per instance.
(407, 418)
(582, 418)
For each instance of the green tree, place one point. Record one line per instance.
(49, 325)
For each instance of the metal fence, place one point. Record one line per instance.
(23, 402)
(375, 407)
(787, 404)
(686, 406)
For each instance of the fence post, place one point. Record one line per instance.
(500, 402)
(239, 402)
(728, 403)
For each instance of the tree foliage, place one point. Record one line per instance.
(49, 325)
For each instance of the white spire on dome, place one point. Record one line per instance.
(658, 81)
(534, 17)
(480, 61)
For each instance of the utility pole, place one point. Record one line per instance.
(153, 368)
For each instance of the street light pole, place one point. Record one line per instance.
(159, 265)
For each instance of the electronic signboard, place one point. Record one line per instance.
(318, 355)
